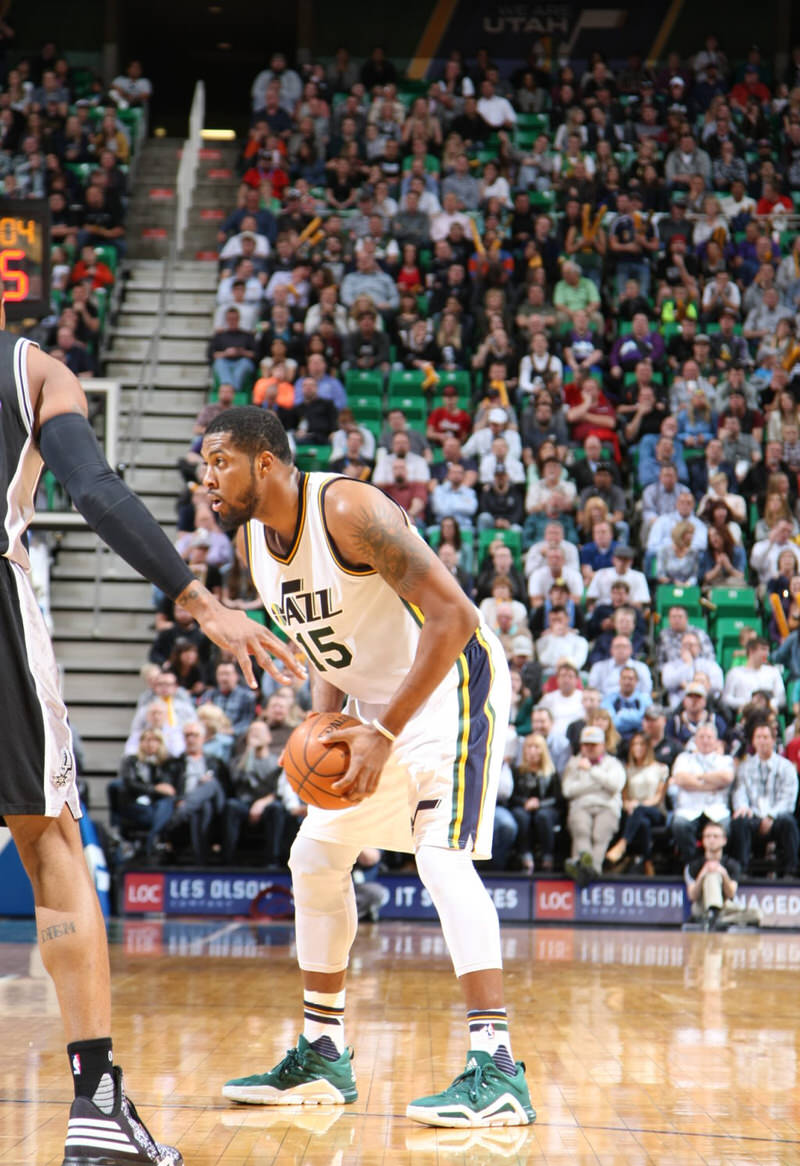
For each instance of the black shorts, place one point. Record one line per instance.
(37, 765)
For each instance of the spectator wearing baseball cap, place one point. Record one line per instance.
(599, 590)
(498, 423)
(500, 502)
(592, 784)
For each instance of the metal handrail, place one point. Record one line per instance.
(130, 440)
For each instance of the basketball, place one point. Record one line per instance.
(311, 766)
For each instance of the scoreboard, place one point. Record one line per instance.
(25, 257)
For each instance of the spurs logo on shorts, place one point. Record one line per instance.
(62, 777)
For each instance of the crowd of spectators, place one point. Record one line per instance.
(67, 138)
(553, 312)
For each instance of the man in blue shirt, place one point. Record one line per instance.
(627, 705)
(329, 388)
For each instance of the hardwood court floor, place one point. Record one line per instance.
(641, 1047)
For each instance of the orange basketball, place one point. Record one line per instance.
(311, 766)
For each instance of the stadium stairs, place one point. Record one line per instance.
(101, 665)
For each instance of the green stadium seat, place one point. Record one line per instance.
(730, 656)
(464, 403)
(698, 620)
(732, 601)
(312, 457)
(460, 378)
(540, 122)
(433, 535)
(542, 200)
(727, 631)
(372, 424)
(366, 408)
(107, 255)
(415, 408)
(670, 595)
(365, 382)
(406, 382)
(512, 539)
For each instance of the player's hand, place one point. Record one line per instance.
(369, 752)
(236, 633)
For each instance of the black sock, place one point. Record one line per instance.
(90, 1061)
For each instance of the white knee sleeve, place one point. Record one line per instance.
(325, 903)
(466, 911)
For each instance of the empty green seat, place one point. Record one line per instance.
(366, 408)
(732, 601)
(312, 457)
(406, 382)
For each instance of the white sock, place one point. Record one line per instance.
(488, 1033)
(323, 1017)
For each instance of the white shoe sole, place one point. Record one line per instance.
(460, 1117)
(311, 1093)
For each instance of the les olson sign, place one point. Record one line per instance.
(517, 900)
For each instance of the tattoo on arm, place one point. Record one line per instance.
(56, 930)
(396, 552)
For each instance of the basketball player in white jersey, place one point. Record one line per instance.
(43, 421)
(387, 629)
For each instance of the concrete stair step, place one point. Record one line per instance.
(196, 278)
(103, 656)
(171, 403)
(77, 540)
(180, 303)
(116, 689)
(82, 564)
(174, 425)
(159, 453)
(161, 482)
(125, 348)
(133, 626)
(201, 237)
(167, 397)
(215, 195)
(102, 722)
(149, 214)
(168, 375)
(148, 248)
(102, 762)
(117, 594)
(137, 325)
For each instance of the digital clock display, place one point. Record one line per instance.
(25, 257)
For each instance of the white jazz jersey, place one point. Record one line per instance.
(440, 782)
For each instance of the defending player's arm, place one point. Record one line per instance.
(70, 449)
(368, 528)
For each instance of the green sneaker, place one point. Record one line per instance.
(480, 1096)
(303, 1077)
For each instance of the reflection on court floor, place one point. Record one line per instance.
(641, 1046)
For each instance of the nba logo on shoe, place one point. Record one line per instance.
(76, 1065)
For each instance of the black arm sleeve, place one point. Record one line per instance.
(71, 450)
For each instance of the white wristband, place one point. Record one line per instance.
(382, 730)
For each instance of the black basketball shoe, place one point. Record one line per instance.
(95, 1138)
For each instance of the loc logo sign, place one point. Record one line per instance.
(554, 899)
(144, 892)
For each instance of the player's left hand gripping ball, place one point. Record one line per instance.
(369, 752)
